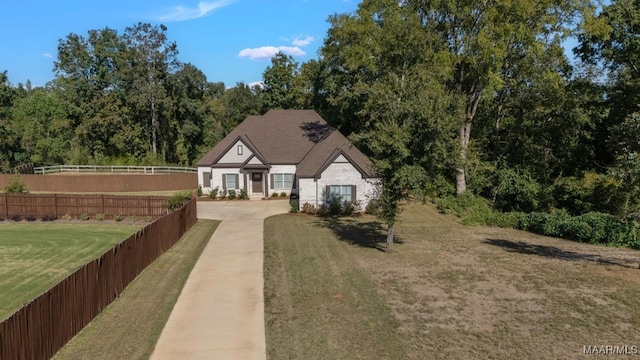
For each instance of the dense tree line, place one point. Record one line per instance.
(447, 97)
(119, 98)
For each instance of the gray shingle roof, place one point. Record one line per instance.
(299, 137)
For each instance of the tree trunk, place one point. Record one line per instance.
(154, 127)
(465, 136)
(390, 238)
(461, 178)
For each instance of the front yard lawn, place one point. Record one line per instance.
(447, 291)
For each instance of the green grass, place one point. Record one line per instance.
(319, 304)
(447, 291)
(130, 327)
(35, 256)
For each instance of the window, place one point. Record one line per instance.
(342, 192)
(239, 149)
(230, 181)
(282, 181)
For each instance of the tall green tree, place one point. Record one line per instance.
(484, 40)
(280, 81)
(42, 124)
(151, 58)
(406, 117)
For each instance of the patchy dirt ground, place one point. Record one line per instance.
(477, 292)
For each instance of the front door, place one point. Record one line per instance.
(256, 182)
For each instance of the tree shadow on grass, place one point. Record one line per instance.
(369, 234)
(555, 252)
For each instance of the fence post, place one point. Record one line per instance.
(6, 205)
(55, 204)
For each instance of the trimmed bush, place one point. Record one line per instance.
(243, 195)
(30, 218)
(16, 186)
(323, 210)
(100, 217)
(275, 194)
(283, 194)
(214, 193)
(308, 209)
(178, 200)
(84, 217)
(232, 194)
(293, 207)
(117, 218)
(199, 190)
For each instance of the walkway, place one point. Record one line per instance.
(220, 312)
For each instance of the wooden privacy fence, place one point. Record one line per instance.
(105, 183)
(39, 205)
(39, 329)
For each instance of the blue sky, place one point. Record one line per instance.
(229, 40)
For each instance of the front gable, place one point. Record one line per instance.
(237, 153)
(339, 163)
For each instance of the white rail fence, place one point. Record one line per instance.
(112, 169)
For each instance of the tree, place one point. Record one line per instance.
(151, 58)
(41, 122)
(405, 116)
(281, 90)
(484, 40)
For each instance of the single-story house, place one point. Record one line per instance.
(291, 151)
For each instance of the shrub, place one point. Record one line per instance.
(223, 194)
(471, 209)
(67, 217)
(214, 193)
(323, 210)
(84, 217)
(30, 218)
(283, 194)
(348, 208)
(132, 218)
(178, 200)
(372, 208)
(16, 186)
(148, 219)
(505, 220)
(293, 207)
(335, 207)
(100, 217)
(232, 194)
(199, 190)
(275, 194)
(1, 218)
(243, 194)
(308, 209)
(48, 217)
(117, 218)
(15, 217)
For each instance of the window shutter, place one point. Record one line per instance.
(353, 194)
(271, 180)
(237, 181)
(206, 179)
(224, 181)
(328, 193)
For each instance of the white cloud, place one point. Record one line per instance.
(299, 41)
(47, 55)
(267, 52)
(204, 8)
(259, 84)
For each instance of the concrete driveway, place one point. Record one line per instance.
(220, 312)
